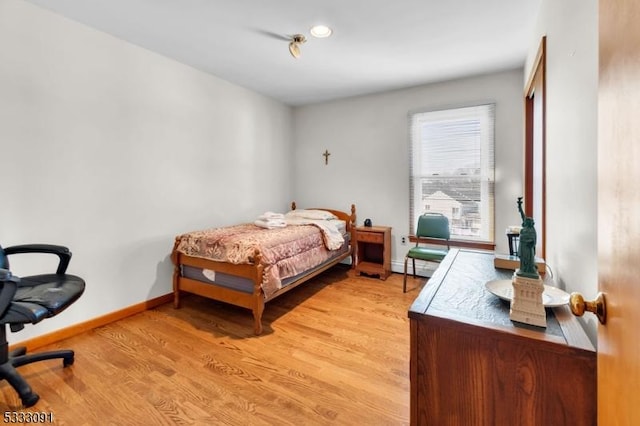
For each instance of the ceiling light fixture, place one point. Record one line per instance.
(320, 31)
(294, 46)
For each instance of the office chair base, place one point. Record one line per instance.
(19, 357)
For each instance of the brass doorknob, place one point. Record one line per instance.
(579, 306)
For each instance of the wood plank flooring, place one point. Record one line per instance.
(334, 351)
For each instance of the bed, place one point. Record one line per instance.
(248, 265)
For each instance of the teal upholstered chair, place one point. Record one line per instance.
(430, 225)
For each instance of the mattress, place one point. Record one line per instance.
(245, 285)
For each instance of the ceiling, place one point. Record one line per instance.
(377, 45)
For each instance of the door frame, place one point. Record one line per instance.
(537, 75)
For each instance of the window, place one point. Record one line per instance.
(452, 169)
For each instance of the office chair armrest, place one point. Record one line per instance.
(8, 286)
(63, 253)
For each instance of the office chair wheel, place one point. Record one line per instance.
(29, 399)
(67, 361)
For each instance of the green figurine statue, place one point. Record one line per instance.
(527, 246)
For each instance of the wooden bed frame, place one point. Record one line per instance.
(256, 300)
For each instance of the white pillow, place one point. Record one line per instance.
(311, 214)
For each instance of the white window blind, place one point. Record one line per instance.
(452, 169)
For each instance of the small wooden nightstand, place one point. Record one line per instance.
(373, 250)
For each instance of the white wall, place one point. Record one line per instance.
(571, 27)
(369, 144)
(113, 150)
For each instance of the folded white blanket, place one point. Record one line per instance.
(333, 238)
(271, 216)
(271, 224)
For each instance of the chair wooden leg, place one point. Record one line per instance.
(404, 283)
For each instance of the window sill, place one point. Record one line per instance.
(480, 245)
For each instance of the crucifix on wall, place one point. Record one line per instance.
(326, 156)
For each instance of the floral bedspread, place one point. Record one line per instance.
(286, 252)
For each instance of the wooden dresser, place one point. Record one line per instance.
(470, 365)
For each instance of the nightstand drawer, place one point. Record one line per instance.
(370, 237)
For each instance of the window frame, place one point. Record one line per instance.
(455, 241)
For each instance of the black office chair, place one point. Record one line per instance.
(430, 225)
(29, 300)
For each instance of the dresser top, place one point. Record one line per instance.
(373, 228)
(457, 292)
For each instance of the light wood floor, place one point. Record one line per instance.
(334, 351)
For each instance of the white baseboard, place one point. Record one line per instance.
(423, 269)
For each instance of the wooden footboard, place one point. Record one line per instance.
(254, 272)
(254, 301)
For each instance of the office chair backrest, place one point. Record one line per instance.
(433, 225)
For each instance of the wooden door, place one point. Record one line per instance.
(619, 212)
